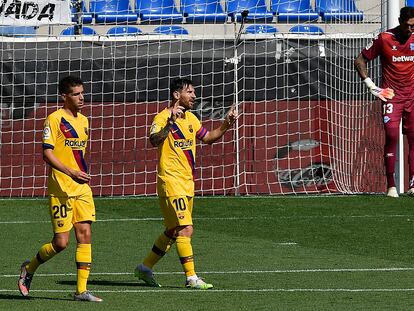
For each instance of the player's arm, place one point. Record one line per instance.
(362, 69)
(217, 133)
(157, 138)
(361, 66)
(78, 176)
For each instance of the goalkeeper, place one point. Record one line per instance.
(395, 47)
(174, 131)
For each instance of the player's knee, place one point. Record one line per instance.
(410, 137)
(60, 244)
(392, 134)
(186, 231)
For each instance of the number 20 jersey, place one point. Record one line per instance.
(67, 136)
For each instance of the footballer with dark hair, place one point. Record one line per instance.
(395, 47)
(174, 131)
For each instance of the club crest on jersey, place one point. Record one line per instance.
(411, 46)
(386, 119)
(190, 128)
(394, 48)
(46, 132)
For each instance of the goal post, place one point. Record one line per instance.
(307, 124)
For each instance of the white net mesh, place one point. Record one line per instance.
(307, 123)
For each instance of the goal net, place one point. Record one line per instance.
(307, 123)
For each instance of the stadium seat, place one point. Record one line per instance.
(257, 10)
(203, 11)
(308, 29)
(86, 16)
(18, 31)
(338, 10)
(258, 28)
(70, 31)
(158, 11)
(171, 30)
(293, 11)
(112, 11)
(123, 31)
(409, 2)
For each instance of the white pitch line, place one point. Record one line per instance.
(216, 218)
(390, 269)
(253, 290)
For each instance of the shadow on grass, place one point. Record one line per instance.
(104, 283)
(33, 298)
(117, 283)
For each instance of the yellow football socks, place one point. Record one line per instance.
(185, 252)
(83, 264)
(45, 253)
(161, 246)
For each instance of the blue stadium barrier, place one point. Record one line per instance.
(117, 31)
(203, 11)
(338, 10)
(158, 11)
(294, 11)
(257, 10)
(112, 11)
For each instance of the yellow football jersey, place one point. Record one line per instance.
(68, 137)
(176, 154)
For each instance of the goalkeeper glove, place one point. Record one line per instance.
(382, 94)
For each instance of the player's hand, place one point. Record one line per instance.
(177, 111)
(232, 115)
(80, 177)
(382, 94)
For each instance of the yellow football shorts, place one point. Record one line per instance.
(177, 211)
(66, 211)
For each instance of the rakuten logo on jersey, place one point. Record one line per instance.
(402, 59)
(75, 144)
(183, 144)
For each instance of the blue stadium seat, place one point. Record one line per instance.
(309, 29)
(86, 16)
(257, 10)
(112, 11)
(203, 11)
(171, 30)
(409, 2)
(294, 11)
(258, 28)
(158, 11)
(117, 31)
(338, 10)
(70, 31)
(18, 31)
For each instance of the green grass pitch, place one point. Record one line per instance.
(261, 253)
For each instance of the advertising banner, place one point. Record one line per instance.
(34, 12)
